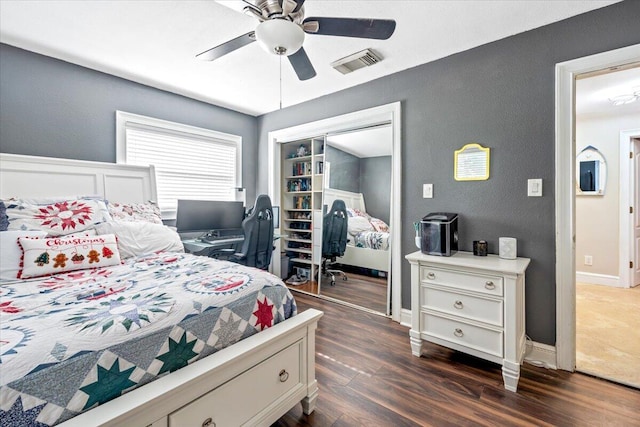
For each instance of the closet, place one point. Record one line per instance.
(301, 204)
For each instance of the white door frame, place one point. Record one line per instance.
(565, 149)
(359, 119)
(627, 188)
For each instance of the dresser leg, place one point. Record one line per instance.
(416, 342)
(510, 375)
(309, 402)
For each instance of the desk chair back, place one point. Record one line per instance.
(334, 230)
(258, 235)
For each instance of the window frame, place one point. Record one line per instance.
(124, 118)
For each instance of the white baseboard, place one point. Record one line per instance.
(598, 279)
(542, 355)
(405, 317)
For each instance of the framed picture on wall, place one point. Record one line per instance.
(471, 163)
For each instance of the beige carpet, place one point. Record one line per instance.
(608, 332)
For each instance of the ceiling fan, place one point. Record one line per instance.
(282, 29)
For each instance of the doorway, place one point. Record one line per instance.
(372, 117)
(607, 340)
(566, 74)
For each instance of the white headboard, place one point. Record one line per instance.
(352, 200)
(33, 177)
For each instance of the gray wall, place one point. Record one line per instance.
(345, 169)
(500, 95)
(375, 186)
(56, 109)
(370, 176)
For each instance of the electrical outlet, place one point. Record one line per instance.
(427, 191)
(588, 260)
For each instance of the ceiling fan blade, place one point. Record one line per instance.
(302, 65)
(227, 47)
(300, 3)
(252, 6)
(380, 29)
(288, 6)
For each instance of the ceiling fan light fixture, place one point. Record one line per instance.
(280, 36)
(624, 99)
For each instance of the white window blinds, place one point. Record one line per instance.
(190, 163)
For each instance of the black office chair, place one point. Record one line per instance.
(334, 239)
(258, 236)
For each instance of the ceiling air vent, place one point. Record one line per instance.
(356, 61)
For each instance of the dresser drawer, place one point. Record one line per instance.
(235, 403)
(478, 338)
(487, 310)
(490, 285)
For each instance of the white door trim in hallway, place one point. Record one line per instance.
(565, 192)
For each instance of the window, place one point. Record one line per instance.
(190, 162)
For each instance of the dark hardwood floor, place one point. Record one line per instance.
(364, 291)
(368, 377)
(361, 290)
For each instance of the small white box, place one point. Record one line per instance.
(303, 272)
(508, 248)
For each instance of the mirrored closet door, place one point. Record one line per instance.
(358, 172)
(354, 158)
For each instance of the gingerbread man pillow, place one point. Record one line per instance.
(42, 257)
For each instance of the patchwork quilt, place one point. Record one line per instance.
(75, 340)
(370, 239)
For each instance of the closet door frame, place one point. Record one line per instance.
(388, 113)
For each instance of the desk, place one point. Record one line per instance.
(198, 247)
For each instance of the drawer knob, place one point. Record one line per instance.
(283, 375)
(458, 304)
(431, 275)
(208, 423)
(489, 285)
(458, 332)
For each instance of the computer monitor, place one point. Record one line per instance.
(208, 215)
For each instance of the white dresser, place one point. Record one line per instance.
(471, 304)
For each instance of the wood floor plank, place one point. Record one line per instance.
(368, 377)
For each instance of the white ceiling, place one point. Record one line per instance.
(593, 94)
(370, 142)
(154, 42)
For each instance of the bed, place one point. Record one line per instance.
(138, 338)
(368, 248)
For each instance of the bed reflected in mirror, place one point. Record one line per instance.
(358, 171)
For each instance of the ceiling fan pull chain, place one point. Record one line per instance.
(281, 82)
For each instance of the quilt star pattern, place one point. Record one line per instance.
(75, 340)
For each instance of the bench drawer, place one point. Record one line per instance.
(237, 401)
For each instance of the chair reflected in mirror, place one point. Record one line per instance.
(334, 239)
(258, 235)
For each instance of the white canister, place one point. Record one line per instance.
(508, 247)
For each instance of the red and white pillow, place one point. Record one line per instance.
(57, 218)
(42, 257)
(379, 225)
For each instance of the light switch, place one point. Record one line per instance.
(534, 187)
(427, 191)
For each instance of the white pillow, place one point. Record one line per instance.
(139, 238)
(43, 257)
(358, 224)
(11, 253)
